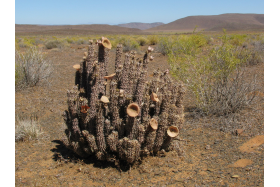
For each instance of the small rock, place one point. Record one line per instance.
(234, 176)
(238, 132)
(207, 147)
(217, 141)
(175, 171)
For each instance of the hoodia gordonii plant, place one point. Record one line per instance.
(121, 116)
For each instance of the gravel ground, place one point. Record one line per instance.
(211, 153)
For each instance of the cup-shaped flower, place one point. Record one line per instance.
(133, 110)
(172, 131)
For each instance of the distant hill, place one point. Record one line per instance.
(74, 29)
(141, 26)
(230, 22)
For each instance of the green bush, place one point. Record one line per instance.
(82, 41)
(237, 39)
(128, 43)
(198, 40)
(26, 42)
(71, 40)
(142, 41)
(182, 44)
(16, 43)
(114, 43)
(216, 79)
(164, 45)
(18, 74)
(55, 44)
(121, 39)
(153, 39)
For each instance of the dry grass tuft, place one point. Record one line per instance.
(31, 68)
(27, 130)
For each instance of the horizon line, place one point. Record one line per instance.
(114, 24)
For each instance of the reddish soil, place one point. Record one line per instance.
(211, 153)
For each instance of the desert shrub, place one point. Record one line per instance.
(153, 39)
(183, 45)
(70, 40)
(164, 45)
(26, 42)
(39, 41)
(23, 45)
(114, 43)
(216, 80)
(237, 39)
(122, 38)
(112, 38)
(257, 52)
(253, 52)
(31, 68)
(18, 76)
(210, 40)
(142, 41)
(19, 39)
(81, 41)
(198, 40)
(55, 44)
(17, 43)
(128, 43)
(26, 130)
(188, 45)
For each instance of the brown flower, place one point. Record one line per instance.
(77, 67)
(109, 77)
(133, 110)
(154, 97)
(84, 109)
(154, 124)
(106, 43)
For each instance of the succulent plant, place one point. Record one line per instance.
(121, 116)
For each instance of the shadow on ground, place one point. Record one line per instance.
(62, 154)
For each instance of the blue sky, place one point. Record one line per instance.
(125, 11)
